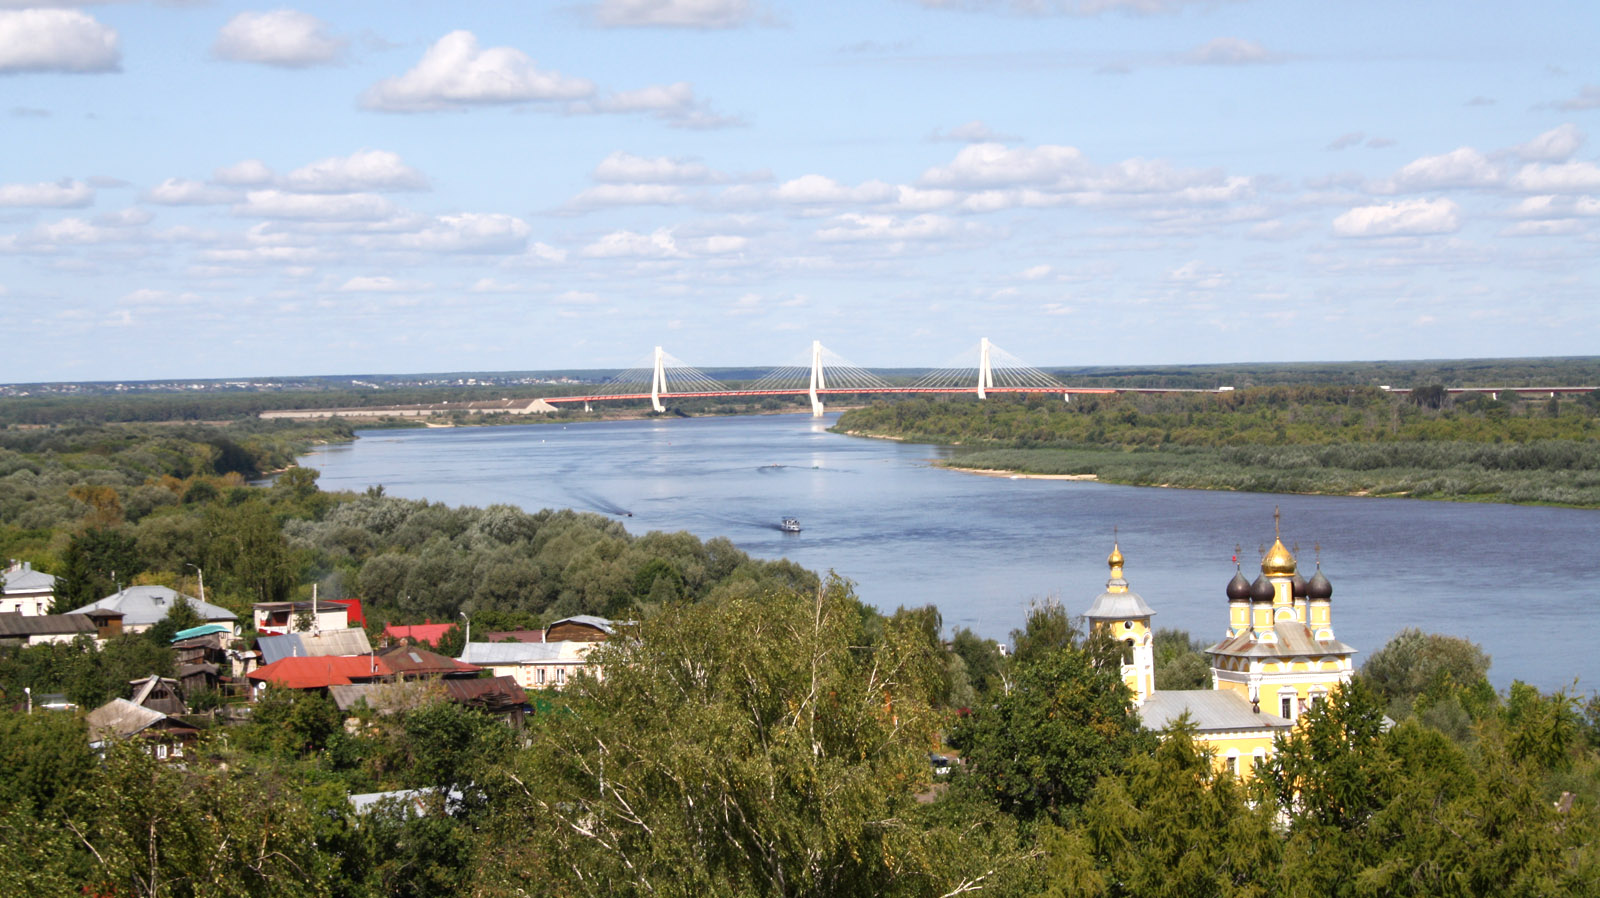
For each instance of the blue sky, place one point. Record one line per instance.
(227, 190)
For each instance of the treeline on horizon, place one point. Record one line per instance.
(1333, 440)
(760, 730)
(102, 404)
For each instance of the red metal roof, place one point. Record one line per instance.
(320, 673)
(354, 615)
(428, 634)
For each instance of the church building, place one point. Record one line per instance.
(1278, 657)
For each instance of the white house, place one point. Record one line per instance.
(27, 591)
(143, 607)
(534, 665)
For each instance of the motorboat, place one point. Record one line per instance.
(790, 525)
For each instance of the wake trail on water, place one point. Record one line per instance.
(596, 502)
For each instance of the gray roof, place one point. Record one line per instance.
(483, 653)
(603, 624)
(1210, 709)
(26, 579)
(144, 606)
(347, 696)
(120, 717)
(1118, 605)
(323, 644)
(14, 625)
(1294, 639)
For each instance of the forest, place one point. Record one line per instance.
(761, 730)
(1333, 440)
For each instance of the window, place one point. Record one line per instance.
(561, 675)
(1233, 764)
(541, 676)
(1286, 706)
(1127, 625)
(1127, 652)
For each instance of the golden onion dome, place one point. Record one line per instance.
(1278, 562)
(1115, 558)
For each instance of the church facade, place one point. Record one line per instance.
(1277, 659)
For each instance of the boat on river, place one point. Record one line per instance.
(790, 525)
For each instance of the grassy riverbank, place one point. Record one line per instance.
(1332, 441)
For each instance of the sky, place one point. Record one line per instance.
(214, 189)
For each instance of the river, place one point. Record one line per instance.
(1522, 582)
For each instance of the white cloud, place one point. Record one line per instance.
(124, 218)
(1406, 217)
(359, 171)
(1037, 272)
(1345, 141)
(1230, 51)
(470, 232)
(717, 244)
(56, 40)
(994, 165)
(1556, 145)
(1554, 227)
(70, 231)
(454, 73)
(1567, 177)
(1198, 275)
(1464, 167)
(811, 189)
(674, 104)
(674, 13)
(381, 284)
(1588, 98)
(855, 227)
(620, 167)
(1551, 206)
(249, 173)
(974, 131)
(183, 192)
(325, 207)
(628, 195)
(59, 195)
(623, 244)
(1069, 7)
(916, 199)
(282, 37)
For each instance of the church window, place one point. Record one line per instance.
(1127, 625)
(1233, 764)
(1127, 652)
(1286, 706)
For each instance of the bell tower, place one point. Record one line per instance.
(1121, 614)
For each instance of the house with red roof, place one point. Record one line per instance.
(427, 633)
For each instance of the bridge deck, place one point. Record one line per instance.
(842, 391)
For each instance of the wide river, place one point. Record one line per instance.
(1521, 582)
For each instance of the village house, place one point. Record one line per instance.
(27, 592)
(21, 629)
(278, 618)
(548, 664)
(143, 607)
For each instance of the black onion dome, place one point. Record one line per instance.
(1238, 588)
(1319, 587)
(1261, 590)
(1297, 586)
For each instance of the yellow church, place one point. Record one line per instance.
(1278, 659)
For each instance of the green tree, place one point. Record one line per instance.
(1170, 825)
(756, 745)
(1181, 661)
(95, 564)
(1429, 667)
(1063, 723)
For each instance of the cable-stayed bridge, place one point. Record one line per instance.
(989, 369)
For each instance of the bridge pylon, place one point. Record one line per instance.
(658, 383)
(817, 380)
(985, 373)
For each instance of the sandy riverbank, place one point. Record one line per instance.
(1013, 475)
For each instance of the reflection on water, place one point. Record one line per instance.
(1520, 581)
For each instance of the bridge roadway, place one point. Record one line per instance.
(846, 391)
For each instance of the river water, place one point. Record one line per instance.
(1521, 582)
